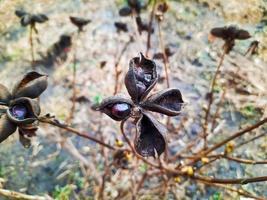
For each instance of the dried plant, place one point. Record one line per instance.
(28, 19)
(139, 81)
(20, 109)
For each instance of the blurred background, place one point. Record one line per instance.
(65, 166)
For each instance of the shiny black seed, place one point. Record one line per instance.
(19, 111)
(121, 110)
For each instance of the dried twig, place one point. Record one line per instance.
(66, 127)
(210, 98)
(148, 44)
(17, 195)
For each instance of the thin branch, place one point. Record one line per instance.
(213, 83)
(67, 128)
(165, 58)
(32, 47)
(252, 139)
(238, 191)
(234, 136)
(73, 85)
(216, 114)
(148, 44)
(20, 196)
(201, 154)
(241, 181)
(245, 161)
(117, 72)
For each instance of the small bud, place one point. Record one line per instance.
(204, 160)
(119, 143)
(229, 147)
(177, 179)
(188, 170)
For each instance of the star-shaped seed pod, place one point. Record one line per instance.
(229, 34)
(132, 6)
(30, 19)
(19, 107)
(139, 81)
(79, 22)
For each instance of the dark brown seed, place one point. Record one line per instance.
(121, 110)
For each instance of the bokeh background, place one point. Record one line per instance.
(65, 166)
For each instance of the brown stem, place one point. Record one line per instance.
(245, 161)
(213, 83)
(241, 181)
(32, 47)
(250, 140)
(234, 136)
(238, 191)
(148, 43)
(165, 58)
(117, 72)
(216, 114)
(67, 128)
(73, 85)
(17, 195)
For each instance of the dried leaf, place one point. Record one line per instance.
(168, 102)
(149, 136)
(32, 85)
(6, 127)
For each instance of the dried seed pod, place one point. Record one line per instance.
(23, 110)
(149, 136)
(121, 27)
(116, 107)
(79, 22)
(6, 127)
(39, 18)
(31, 85)
(20, 13)
(140, 78)
(26, 20)
(5, 95)
(230, 33)
(30, 19)
(125, 11)
(135, 5)
(168, 102)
